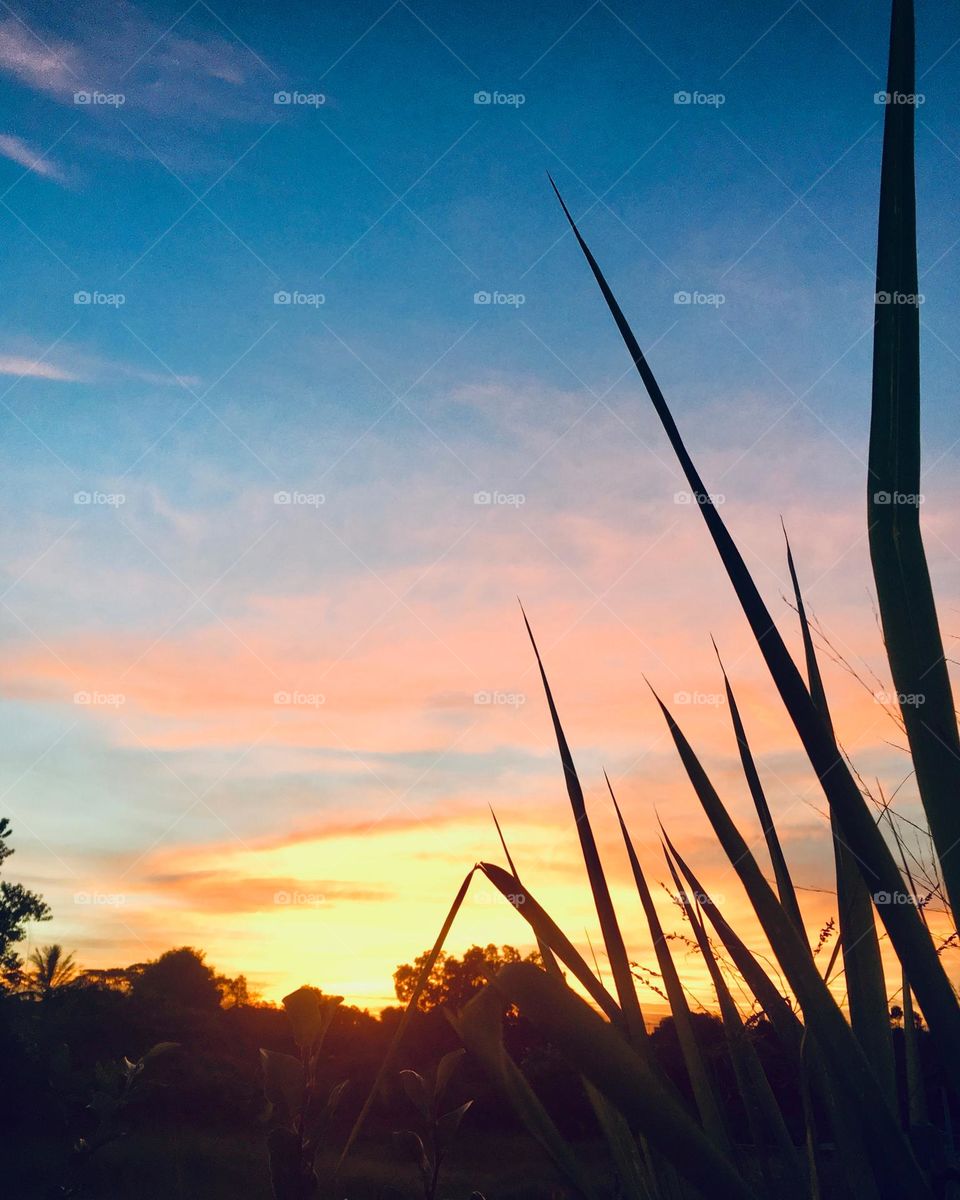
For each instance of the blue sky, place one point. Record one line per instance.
(195, 198)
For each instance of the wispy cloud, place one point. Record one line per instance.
(118, 48)
(75, 365)
(40, 163)
(12, 364)
(48, 66)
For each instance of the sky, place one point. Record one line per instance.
(303, 382)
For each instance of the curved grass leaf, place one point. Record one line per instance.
(908, 611)
(480, 1028)
(549, 932)
(774, 1004)
(600, 1053)
(809, 1061)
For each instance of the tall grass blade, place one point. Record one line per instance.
(599, 1052)
(916, 1097)
(763, 1112)
(700, 1082)
(862, 964)
(621, 1142)
(549, 961)
(636, 1170)
(480, 1028)
(549, 932)
(901, 921)
(781, 873)
(908, 612)
(895, 1167)
(609, 925)
(387, 1061)
(808, 1058)
(774, 1004)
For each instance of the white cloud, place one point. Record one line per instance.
(11, 364)
(120, 49)
(19, 151)
(43, 65)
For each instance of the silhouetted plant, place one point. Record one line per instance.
(301, 1102)
(50, 971)
(117, 1085)
(18, 905)
(426, 1146)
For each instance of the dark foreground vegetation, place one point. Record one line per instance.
(194, 1122)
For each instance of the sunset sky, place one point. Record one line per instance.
(298, 713)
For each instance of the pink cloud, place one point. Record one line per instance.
(12, 364)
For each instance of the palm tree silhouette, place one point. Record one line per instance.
(51, 970)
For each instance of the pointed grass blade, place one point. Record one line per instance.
(621, 1142)
(600, 1053)
(700, 1083)
(781, 873)
(912, 944)
(808, 1060)
(895, 1167)
(609, 925)
(480, 1028)
(862, 963)
(550, 933)
(763, 1112)
(387, 1061)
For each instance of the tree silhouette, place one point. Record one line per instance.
(51, 970)
(454, 980)
(18, 905)
(178, 979)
